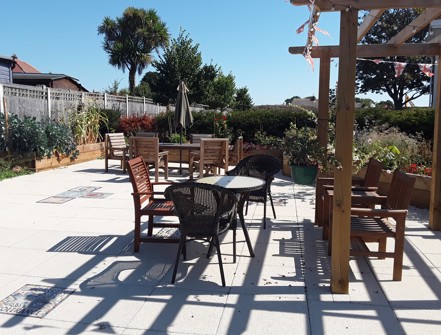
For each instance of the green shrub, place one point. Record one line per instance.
(29, 137)
(2, 133)
(113, 117)
(60, 140)
(410, 121)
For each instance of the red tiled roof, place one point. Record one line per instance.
(23, 67)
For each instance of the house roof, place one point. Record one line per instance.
(6, 58)
(23, 67)
(45, 76)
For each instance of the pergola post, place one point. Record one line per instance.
(343, 152)
(323, 101)
(435, 194)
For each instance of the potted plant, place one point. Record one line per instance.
(304, 153)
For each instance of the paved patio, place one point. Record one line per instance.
(67, 267)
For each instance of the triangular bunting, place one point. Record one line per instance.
(399, 68)
(426, 69)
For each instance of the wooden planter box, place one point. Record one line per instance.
(421, 190)
(173, 155)
(87, 152)
(286, 169)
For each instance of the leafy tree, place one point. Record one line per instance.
(243, 99)
(222, 96)
(113, 87)
(181, 61)
(129, 40)
(142, 90)
(365, 102)
(380, 78)
(204, 86)
(387, 104)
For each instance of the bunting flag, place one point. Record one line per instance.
(302, 27)
(399, 68)
(425, 68)
(314, 40)
(324, 32)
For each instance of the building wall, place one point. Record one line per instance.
(5, 72)
(65, 84)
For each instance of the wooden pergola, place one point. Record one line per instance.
(350, 34)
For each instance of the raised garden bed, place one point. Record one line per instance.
(87, 152)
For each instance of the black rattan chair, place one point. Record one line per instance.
(263, 167)
(204, 211)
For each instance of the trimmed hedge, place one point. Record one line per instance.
(246, 123)
(274, 120)
(410, 121)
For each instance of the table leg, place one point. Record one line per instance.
(242, 200)
(234, 237)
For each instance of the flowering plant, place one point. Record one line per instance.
(420, 169)
(302, 147)
(221, 129)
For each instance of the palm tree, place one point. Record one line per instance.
(130, 39)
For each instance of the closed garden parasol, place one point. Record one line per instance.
(182, 117)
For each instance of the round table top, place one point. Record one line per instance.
(234, 183)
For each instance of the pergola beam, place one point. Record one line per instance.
(375, 50)
(369, 22)
(327, 5)
(415, 26)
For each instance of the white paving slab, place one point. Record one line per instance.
(86, 244)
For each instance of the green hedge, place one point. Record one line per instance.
(411, 121)
(272, 121)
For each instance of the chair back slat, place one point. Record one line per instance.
(236, 155)
(400, 192)
(196, 138)
(214, 151)
(116, 140)
(115, 147)
(373, 173)
(147, 147)
(139, 177)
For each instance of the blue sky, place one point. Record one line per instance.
(248, 38)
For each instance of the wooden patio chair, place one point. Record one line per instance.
(236, 154)
(205, 212)
(379, 224)
(148, 201)
(370, 181)
(115, 147)
(148, 148)
(212, 156)
(196, 138)
(263, 167)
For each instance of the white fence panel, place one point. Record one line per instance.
(48, 103)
